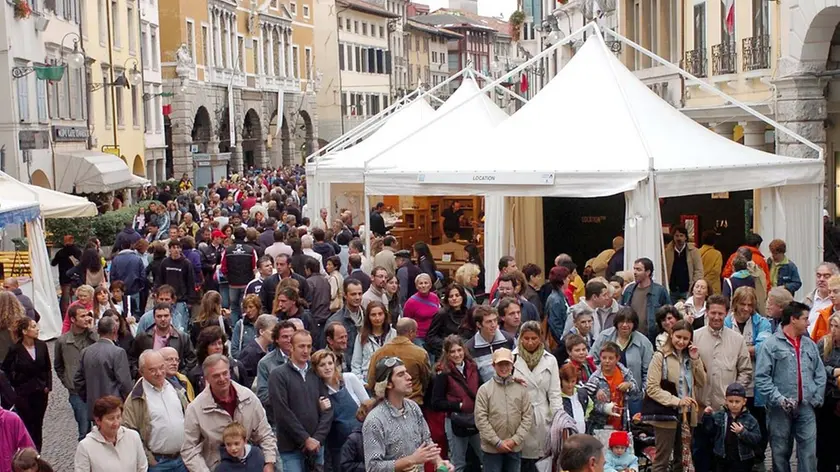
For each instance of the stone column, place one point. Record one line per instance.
(290, 64)
(725, 129)
(261, 157)
(801, 107)
(754, 134)
(182, 120)
(236, 158)
(268, 39)
(217, 38)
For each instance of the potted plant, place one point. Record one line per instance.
(517, 18)
(22, 9)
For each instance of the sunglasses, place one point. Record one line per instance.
(391, 361)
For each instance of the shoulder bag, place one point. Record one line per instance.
(655, 411)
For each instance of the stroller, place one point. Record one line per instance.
(641, 439)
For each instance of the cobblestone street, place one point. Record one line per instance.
(60, 432)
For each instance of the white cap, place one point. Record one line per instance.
(825, 213)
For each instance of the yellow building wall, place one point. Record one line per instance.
(129, 136)
(303, 36)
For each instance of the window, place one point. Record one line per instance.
(356, 27)
(119, 104)
(760, 18)
(205, 43)
(135, 109)
(59, 8)
(63, 87)
(41, 94)
(274, 4)
(700, 26)
(347, 24)
(380, 61)
(364, 28)
(153, 37)
(73, 97)
(349, 57)
(256, 54)
(191, 39)
(295, 62)
(103, 22)
(132, 41)
(240, 47)
(725, 36)
(23, 97)
(381, 31)
(147, 116)
(276, 50)
(340, 57)
(306, 11)
(293, 8)
(106, 92)
(144, 46)
(307, 53)
(358, 59)
(340, 25)
(417, 44)
(365, 66)
(115, 23)
(344, 104)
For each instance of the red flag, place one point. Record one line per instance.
(729, 15)
(167, 110)
(523, 83)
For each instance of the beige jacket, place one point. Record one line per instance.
(385, 258)
(695, 265)
(503, 411)
(95, 454)
(727, 360)
(546, 397)
(205, 420)
(654, 377)
(136, 415)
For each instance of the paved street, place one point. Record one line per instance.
(60, 430)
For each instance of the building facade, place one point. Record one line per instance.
(111, 43)
(154, 96)
(398, 45)
(243, 83)
(356, 78)
(429, 54)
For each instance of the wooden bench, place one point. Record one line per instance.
(15, 264)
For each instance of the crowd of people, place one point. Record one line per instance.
(226, 331)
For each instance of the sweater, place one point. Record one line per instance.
(422, 309)
(254, 461)
(294, 402)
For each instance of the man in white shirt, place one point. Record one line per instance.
(279, 246)
(155, 409)
(820, 298)
(306, 243)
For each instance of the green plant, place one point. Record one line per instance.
(105, 226)
(517, 18)
(173, 184)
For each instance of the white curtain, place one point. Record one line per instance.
(792, 213)
(643, 228)
(317, 197)
(44, 287)
(497, 228)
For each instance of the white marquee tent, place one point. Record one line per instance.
(53, 204)
(596, 130)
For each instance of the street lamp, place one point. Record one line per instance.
(76, 59)
(132, 76)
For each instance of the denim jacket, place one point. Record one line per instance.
(776, 371)
(761, 330)
(788, 275)
(597, 382)
(716, 426)
(656, 297)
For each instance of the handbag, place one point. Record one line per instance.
(463, 424)
(655, 411)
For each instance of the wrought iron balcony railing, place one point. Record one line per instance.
(695, 62)
(724, 59)
(756, 52)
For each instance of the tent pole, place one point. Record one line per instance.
(504, 89)
(367, 222)
(718, 92)
(490, 86)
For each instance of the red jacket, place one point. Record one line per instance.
(448, 391)
(759, 260)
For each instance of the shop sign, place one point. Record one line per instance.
(70, 133)
(31, 140)
(114, 150)
(488, 178)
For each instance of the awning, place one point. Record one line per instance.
(53, 204)
(91, 172)
(137, 181)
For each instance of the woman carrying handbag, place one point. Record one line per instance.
(676, 372)
(454, 392)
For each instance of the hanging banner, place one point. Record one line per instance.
(488, 178)
(231, 115)
(280, 111)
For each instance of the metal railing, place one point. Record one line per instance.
(756, 52)
(695, 62)
(724, 59)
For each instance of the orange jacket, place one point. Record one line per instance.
(821, 326)
(759, 260)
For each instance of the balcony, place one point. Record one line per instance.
(694, 62)
(756, 51)
(724, 59)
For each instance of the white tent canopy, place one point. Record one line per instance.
(53, 204)
(597, 130)
(93, 172)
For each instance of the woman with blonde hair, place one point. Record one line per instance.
(336, 280)
(210, 313)
(467, 277)
(828, 457)
(10, 312)
(84, 297)
(346, 394)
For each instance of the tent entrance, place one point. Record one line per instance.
(580, 227)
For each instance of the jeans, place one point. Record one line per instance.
(509, 462)
(235, 295)
(168, 465)
(784, 428)
(181, 317)
(296, 461)
(459, 446)
(80, 412)
(223, 291)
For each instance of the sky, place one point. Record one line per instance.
(485, 7)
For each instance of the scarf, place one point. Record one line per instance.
(532, 358)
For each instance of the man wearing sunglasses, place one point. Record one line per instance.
(395, 434)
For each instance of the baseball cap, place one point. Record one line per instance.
(736, 390)
(217, 234)
(502, 355)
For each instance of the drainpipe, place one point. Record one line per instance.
(111, 73)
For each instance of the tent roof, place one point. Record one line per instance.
(53, 204)
(596, 130)
(91, 172)
(17, 211)
(463, 117)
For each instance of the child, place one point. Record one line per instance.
(620, 458)
(735, 432)
(578, 355)
(237, 454)
(28, 460)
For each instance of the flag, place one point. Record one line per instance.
(231, 115)
(729, 15)
(523, 83)
(167, 110)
